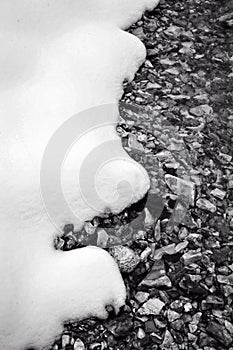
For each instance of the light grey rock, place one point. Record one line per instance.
(125, 257)
(205, 204)
(151, 307)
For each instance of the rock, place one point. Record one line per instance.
(163, 281)
(145, 254)
(125, 257)
(191, 257)
(201, 110)
(102, 238)
(89, 228)
(225, 279)
(151, 307)
(220, 333)
(141, 297)
(140, 333)
(134, 144)
(79, 345)
(157, 231)
(203, 203)
(120, 326)
(212, 302)
(149, 220)
(172, 315)
(65, 340)
(220, 194)
(181, 187)
(150, 326)
(168, 342)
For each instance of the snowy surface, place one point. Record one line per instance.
(59, 58)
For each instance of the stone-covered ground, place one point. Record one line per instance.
(177, 257)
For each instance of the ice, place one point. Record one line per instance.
(60, 58)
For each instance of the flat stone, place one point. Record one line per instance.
(102, 238)
(220, 194)
(152, 307)
(205, 204)
(191, 257)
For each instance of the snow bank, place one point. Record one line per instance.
(60, 57)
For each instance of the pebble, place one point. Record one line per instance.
(79, 345)
(220, 194)
(65, 340)
(125, 257)
(141, 297)
(102, 238)
(168, 342)
(172, 315)
(151, 307)
(191, 257)
(205, 204)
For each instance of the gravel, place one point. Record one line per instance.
(179, 239)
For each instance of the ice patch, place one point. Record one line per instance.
(59, 58)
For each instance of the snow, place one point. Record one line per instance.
(61, 59)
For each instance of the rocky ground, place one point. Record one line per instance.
(176, 252)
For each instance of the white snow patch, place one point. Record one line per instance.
(59, 58)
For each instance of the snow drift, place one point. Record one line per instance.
(59, 58)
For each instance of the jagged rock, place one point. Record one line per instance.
(141, 297)
(168, 342)
(220, 194)
(220, 333)
(191, 257)
(203, 203)
(151, 307)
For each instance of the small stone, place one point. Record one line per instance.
(203, 203)
(172, 315)
(145, 254)
(181, 187)
(191, 257)
(102, 238)
(79, 345)
(65, 340)
(149, 220)
(89, 228)
(139, 32)
(220, 194)
(121, 326)
(157, 231)
(134, 144)
(141, 297)
(125, 257)
(140, 333)
(163, 281)
(188, 307)
(173, 71)
(225, 157)
(151, 307)
(225, 279)
(168, 342)
(220, 333)
(153, 86)
(201, 110)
